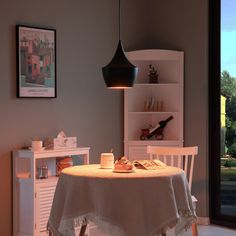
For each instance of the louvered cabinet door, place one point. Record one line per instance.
(43, 202)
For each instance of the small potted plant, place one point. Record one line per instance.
(153, 76)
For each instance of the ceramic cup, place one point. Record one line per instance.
(37, 145)
(107, 160)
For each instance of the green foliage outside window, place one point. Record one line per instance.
(230, 163)
(228, 89)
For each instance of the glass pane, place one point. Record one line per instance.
(228, 107)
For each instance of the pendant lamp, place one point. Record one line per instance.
(119, 73)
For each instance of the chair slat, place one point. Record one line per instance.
(165, 159)
(191, 172)
(172, 160)
(186, 164)
(179, 165)
(150, 156)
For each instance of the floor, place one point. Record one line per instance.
(210, 230)
(213, 230)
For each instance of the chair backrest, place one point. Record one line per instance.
(181, 157)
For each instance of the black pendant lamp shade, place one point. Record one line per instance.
(119, 73)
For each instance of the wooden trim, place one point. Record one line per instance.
(214, 117)
(214, 107)
(226, 223)
(203, 220)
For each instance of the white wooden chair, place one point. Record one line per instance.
(182, 157)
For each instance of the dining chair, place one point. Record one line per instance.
(181, 157)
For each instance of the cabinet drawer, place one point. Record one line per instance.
(45, 194)
(138, 152)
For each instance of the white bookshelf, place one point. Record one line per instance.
(168, 90)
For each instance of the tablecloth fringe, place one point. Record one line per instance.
(185, 221)
(186, 218)
(70, 227)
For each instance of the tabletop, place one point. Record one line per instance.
(140, 203)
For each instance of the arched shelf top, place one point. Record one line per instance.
(155, 54)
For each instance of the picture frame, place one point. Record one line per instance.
(36, 62)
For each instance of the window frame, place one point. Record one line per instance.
(214, 117)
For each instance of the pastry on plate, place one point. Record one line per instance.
(123, 164)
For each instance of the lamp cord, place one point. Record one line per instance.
(119, 17)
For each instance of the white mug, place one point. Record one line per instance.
(107, 160)
(37, 145)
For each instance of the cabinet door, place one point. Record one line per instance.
(44, 198)
(138, 153)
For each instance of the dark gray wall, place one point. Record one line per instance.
(183, 25)
(87, 34)
(86, 40)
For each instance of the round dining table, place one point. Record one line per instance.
(138, 203)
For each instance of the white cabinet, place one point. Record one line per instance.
(32, 197)
(166, 97)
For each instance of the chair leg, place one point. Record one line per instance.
(82, 230)
(194, 229)
(50, 233)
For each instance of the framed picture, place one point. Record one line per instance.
(36, 62)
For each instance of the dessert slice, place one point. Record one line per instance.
(123, 164)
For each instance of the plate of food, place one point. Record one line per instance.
(123, 165)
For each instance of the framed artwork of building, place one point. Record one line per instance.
(36, 62)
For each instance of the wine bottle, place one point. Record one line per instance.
(159, 128)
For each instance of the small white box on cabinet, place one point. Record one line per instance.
(62, 143)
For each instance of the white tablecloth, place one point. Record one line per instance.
(143, 203)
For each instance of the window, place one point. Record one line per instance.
(222, 116)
